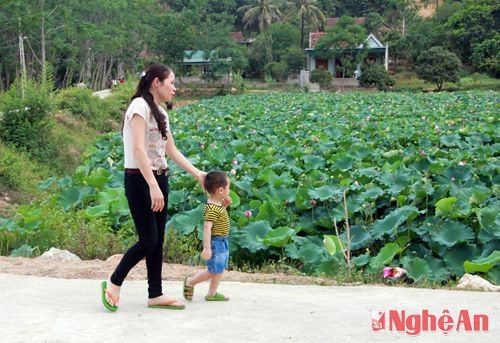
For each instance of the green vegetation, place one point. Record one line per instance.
(46, 133)
(418, 171)
(94, 41)
(375, 76)
(321, 76)
(438, 65)
(409, 81)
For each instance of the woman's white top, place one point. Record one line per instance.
(153, 143)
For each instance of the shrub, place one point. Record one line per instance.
(375, 76)
(182, 249)
(47, 227)
(321, 76)
(238, 82)
(269, 80)
(83, 104)
(18, 172)
(278, 70)
(25, 122)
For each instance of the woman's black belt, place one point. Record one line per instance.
(161, 171)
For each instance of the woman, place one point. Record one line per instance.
(146, 139)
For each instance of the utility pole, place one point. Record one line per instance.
(21, 59)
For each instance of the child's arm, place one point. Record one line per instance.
(207, 236)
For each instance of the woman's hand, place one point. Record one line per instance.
(201, 178)
(157, 199)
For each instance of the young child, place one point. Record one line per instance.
(215, 237)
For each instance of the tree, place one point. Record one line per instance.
(260, 53)
(328, 7)
(262, 12)
(82, 41)
(295, 57)
(470, 26)
(421, 36)
(343, 42)
(404, 12)
(308, 13)
(181, 35)
(438, 65)
(283, 37)
(486, 57)
(373, 22)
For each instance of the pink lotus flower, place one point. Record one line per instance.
(422, 153)
(254, 131)
(313, 202)
(248, 213)
(235, 162)
(233, 171)
(202, 146)
(393, 272)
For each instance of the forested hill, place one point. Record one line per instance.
(94, 40)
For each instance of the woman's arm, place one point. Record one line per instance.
(138, 127)
(172, 152)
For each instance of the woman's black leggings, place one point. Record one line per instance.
(150, 227)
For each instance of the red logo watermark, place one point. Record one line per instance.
(414, 323)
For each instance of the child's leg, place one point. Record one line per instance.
(214, 284)
(200, 276)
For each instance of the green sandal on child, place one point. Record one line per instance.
(187, 291)
(216, 297)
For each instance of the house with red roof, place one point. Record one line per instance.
(378, 53)
(237, 36)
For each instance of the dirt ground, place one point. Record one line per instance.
(98, 269)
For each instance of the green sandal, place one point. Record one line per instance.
(216, 297)
(188, 291)
(169, 306)
(104, 292)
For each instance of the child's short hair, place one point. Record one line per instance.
(215, 179)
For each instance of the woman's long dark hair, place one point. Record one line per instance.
(161, 72)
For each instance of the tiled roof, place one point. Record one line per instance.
(237, 37)
(314, 37)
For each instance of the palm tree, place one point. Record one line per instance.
(262, 11)
(308, 12)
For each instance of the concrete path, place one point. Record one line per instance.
(35, 309)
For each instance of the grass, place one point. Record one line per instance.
(474, 81)
(20, 175)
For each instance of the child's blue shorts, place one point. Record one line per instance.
(220, 255)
